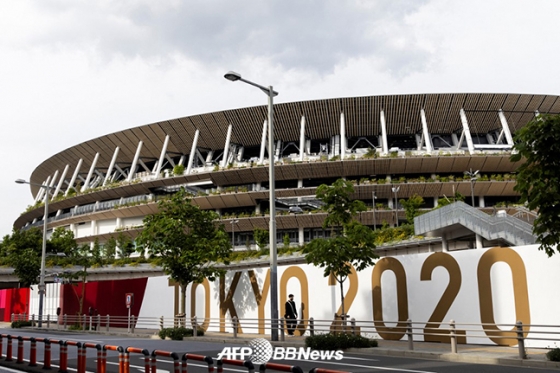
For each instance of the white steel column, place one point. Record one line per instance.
(88, 178)
(74, 176)
(466, 131)
(302, 139)
(162, 156)
(53, 180)
(263, 142)
(505, 127)
(111, 165)
(226, 146)
(134, 162)
(342, 136)
(385, 145)
(41, 192)
(425, 132)
(61, 181)
(193, 152)
(301, 236)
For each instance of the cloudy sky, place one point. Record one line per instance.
(73, 70)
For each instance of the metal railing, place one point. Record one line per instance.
(451, 332)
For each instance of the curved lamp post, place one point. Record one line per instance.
(43, 247)
(233, 76)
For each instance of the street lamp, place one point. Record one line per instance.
(233, 76)
(373, 197)
(233, 222)
(395, 190)
(43, 248)
(472, 176)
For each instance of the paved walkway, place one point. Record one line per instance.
(480, 354)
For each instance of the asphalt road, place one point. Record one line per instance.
(350, 362)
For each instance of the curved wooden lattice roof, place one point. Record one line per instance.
(362, 118)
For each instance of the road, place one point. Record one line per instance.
(351, 362)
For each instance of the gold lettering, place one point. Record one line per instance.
(206, 285)
(298, 273)
(393, 265)
(431, 331)
(260, 297)
(226, 302)
(521, 294)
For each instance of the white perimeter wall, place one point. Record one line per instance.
(496, 281)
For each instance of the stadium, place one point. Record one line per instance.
(421, 144)
(391, 147)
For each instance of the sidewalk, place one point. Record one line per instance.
(477, 354)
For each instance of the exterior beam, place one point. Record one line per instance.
(88, 177)
(384, 143)
(263, 142)
(507, 132)
(302, 139)
(226, 146)
(466, 131)
(162, 156)
(61, 181)
(342, 136)
(41, 192)
(425, 132)
(111, 165)
(74, 176)
(134, 162)
(193, 152)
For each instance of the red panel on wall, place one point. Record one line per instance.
(107, 297)
(13, 301)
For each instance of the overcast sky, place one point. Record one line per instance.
(73, 70)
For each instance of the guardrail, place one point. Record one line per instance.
(150, 359)
(450, 332)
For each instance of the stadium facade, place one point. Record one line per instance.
(391, 147)
(421, 144)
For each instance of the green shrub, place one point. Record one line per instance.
(21, 324)
(338, 342)
(554, 354)
(177, 334)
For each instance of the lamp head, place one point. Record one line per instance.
(21, 181)
(232, 75)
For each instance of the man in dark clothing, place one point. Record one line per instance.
(291, 315)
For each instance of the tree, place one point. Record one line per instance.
(82, 256)
(22, 250)
(351, 244)
(261, 237)
(538, 178)
(126, 246)
(187, 241)
(412, 207)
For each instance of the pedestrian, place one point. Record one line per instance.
(291, 315)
